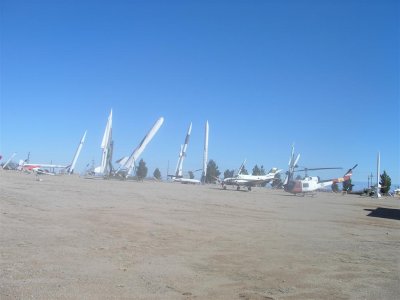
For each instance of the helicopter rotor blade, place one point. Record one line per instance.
(296, 160)
(354, 167)
(286, 180)
(315, 169)
(291, 156)
(292, 165)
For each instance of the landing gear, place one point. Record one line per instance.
(238, 188)
(224, 187)
(249, 188)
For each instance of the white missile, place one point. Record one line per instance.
(105, 146)
(8, 161)
(78, 151)
(130, 162)
(179, 162)
(185, 145)
(378, 167)
(182, 154)
(205, 154)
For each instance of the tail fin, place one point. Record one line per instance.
(241, 167)
(346, 176)
(274, 171)
(349, 172)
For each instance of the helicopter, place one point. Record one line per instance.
(309, 184)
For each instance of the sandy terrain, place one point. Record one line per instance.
(71, 238)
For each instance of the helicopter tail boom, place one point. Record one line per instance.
(346, 176)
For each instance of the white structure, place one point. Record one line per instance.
(128, 163)
(78, 151)
(378, 167)
(205, 154)
(8, 161)
(179, 167)
(106, 146)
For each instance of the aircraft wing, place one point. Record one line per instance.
(257, 182)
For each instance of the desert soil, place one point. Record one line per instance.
(66, 237)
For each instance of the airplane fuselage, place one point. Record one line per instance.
(249, 181)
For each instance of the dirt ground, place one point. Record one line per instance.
(66, 237)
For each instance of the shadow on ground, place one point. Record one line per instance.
(387, 213)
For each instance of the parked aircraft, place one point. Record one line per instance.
(44, 168)
(309, 184)
(249, 181)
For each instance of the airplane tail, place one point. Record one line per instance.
(349, 173)
(241, 167)
(274, 171)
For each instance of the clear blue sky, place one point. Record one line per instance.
(322, 74)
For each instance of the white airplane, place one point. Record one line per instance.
(127, 164)
(178, 177)
(43, 168)
(249, 181)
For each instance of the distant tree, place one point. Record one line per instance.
(229, 173)
(244, 171)
(157, 174)
(385, 183)
(256, 171)
(335, 187)
(262, 170)
(277, 183)
(141, 171)
(191, 175)
(203, 179)
(212, 172)
(347, 186)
